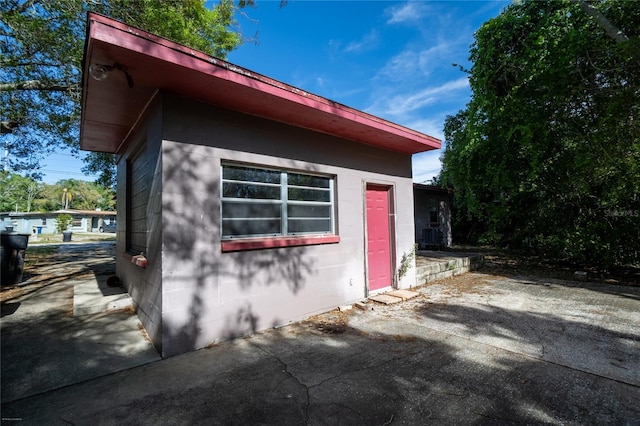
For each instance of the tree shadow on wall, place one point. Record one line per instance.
(195, 264)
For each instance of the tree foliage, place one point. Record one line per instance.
(17, 192)
(546, 155)
(63, 221)
(25, 194)
(42, 44)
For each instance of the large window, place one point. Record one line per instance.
(270, 203)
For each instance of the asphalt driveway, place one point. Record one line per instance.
(474, 349)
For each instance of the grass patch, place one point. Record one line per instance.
(41, 251)
(75, 237)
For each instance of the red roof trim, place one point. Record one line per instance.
(119, 41)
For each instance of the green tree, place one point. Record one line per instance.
(82, 195)
(40, 65)
(17, 192)
(546, 155)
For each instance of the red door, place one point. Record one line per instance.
(378, 238)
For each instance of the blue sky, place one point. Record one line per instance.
(390, 59)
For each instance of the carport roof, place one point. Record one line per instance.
(111, 107)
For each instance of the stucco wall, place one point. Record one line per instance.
(208, 295)
(191, 293)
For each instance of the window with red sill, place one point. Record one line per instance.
(275, 205)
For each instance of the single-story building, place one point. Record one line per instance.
(432, 213)
(243, 203)
(47, 222)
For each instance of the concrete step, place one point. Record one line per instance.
(395, 296)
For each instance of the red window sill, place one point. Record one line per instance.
(276, 242)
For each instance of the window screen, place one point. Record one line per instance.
(263, 202)
(137, 204)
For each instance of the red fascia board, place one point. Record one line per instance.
(112, 32)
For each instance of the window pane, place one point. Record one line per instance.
(297, 194)
(252, 203)
(294, 211)
(247, 227)
(250, 174)
(250, 210)
(246, 190)
(306, 180)
(300, 226)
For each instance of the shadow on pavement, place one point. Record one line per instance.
(45, 347)
(298, 375)
(431, 360)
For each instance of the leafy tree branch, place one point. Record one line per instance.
(42, 44)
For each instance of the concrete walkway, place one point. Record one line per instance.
(58, 328)
(472, 349)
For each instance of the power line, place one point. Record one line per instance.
(66, 172)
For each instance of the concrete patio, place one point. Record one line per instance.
(477, 348)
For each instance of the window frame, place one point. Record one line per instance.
(284, 237)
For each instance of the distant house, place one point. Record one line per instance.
(432, 214)
(243, 203)
(47, 222)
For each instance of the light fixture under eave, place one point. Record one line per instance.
(100, 71)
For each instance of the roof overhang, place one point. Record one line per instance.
(111, 107)
(432, 188)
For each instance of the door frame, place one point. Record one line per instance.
(390, 188)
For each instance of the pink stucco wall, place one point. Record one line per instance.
(192, 294)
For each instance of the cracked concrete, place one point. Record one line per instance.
(474, 349)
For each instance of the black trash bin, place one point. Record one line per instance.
(66, 236)
(13, 246)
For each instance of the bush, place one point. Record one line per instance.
(63, 221)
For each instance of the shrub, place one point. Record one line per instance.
(63, 222)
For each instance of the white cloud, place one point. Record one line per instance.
(408, 12)
(431, 126)
(426, 165)
(417, 63)
(400, 66)
(367, 42)
(401, 104)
